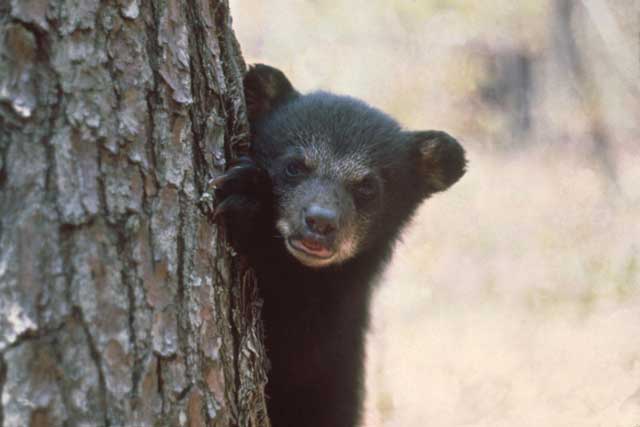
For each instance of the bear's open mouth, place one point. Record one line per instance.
(311, 247)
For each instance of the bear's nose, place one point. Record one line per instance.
(321, 220)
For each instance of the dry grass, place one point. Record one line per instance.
(514, 300)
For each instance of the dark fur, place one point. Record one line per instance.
(316, 317)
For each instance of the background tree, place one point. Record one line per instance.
(569, 63)
(120, 304)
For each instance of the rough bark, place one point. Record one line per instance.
(120, 304)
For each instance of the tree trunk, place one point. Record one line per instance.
(120, 303)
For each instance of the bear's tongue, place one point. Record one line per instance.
(312, 245)
(315, 247)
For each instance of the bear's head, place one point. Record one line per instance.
(345, 176)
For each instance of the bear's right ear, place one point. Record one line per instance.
(442, 159)
(265, 88)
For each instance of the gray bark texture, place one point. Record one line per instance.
(120, 303)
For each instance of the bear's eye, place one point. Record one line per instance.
(295, 168)
(367, 188)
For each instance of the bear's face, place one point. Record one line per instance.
(345, 176)
(324, 206)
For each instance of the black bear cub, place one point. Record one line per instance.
(317, 209)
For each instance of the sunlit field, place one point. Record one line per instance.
(513, 300)
(514, 297)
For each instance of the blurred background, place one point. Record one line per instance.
(514, 298)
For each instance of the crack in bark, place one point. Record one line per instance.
(4, 136)
(97, 360)
(149, 139)
(136, 373)
(65, 394)
(184, 329)
(128, 278)
(204, 103)
(197, 112)
(222, 300)
(105, 32)
(236, 340)
(35, 335)
(184, 392)
(101, 187)
(102, 150)
(66, 232)
(160, 382)
(56, 107)
(152, 48)
(3, 379)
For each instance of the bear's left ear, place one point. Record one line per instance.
(266, 88)
(441, 159)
